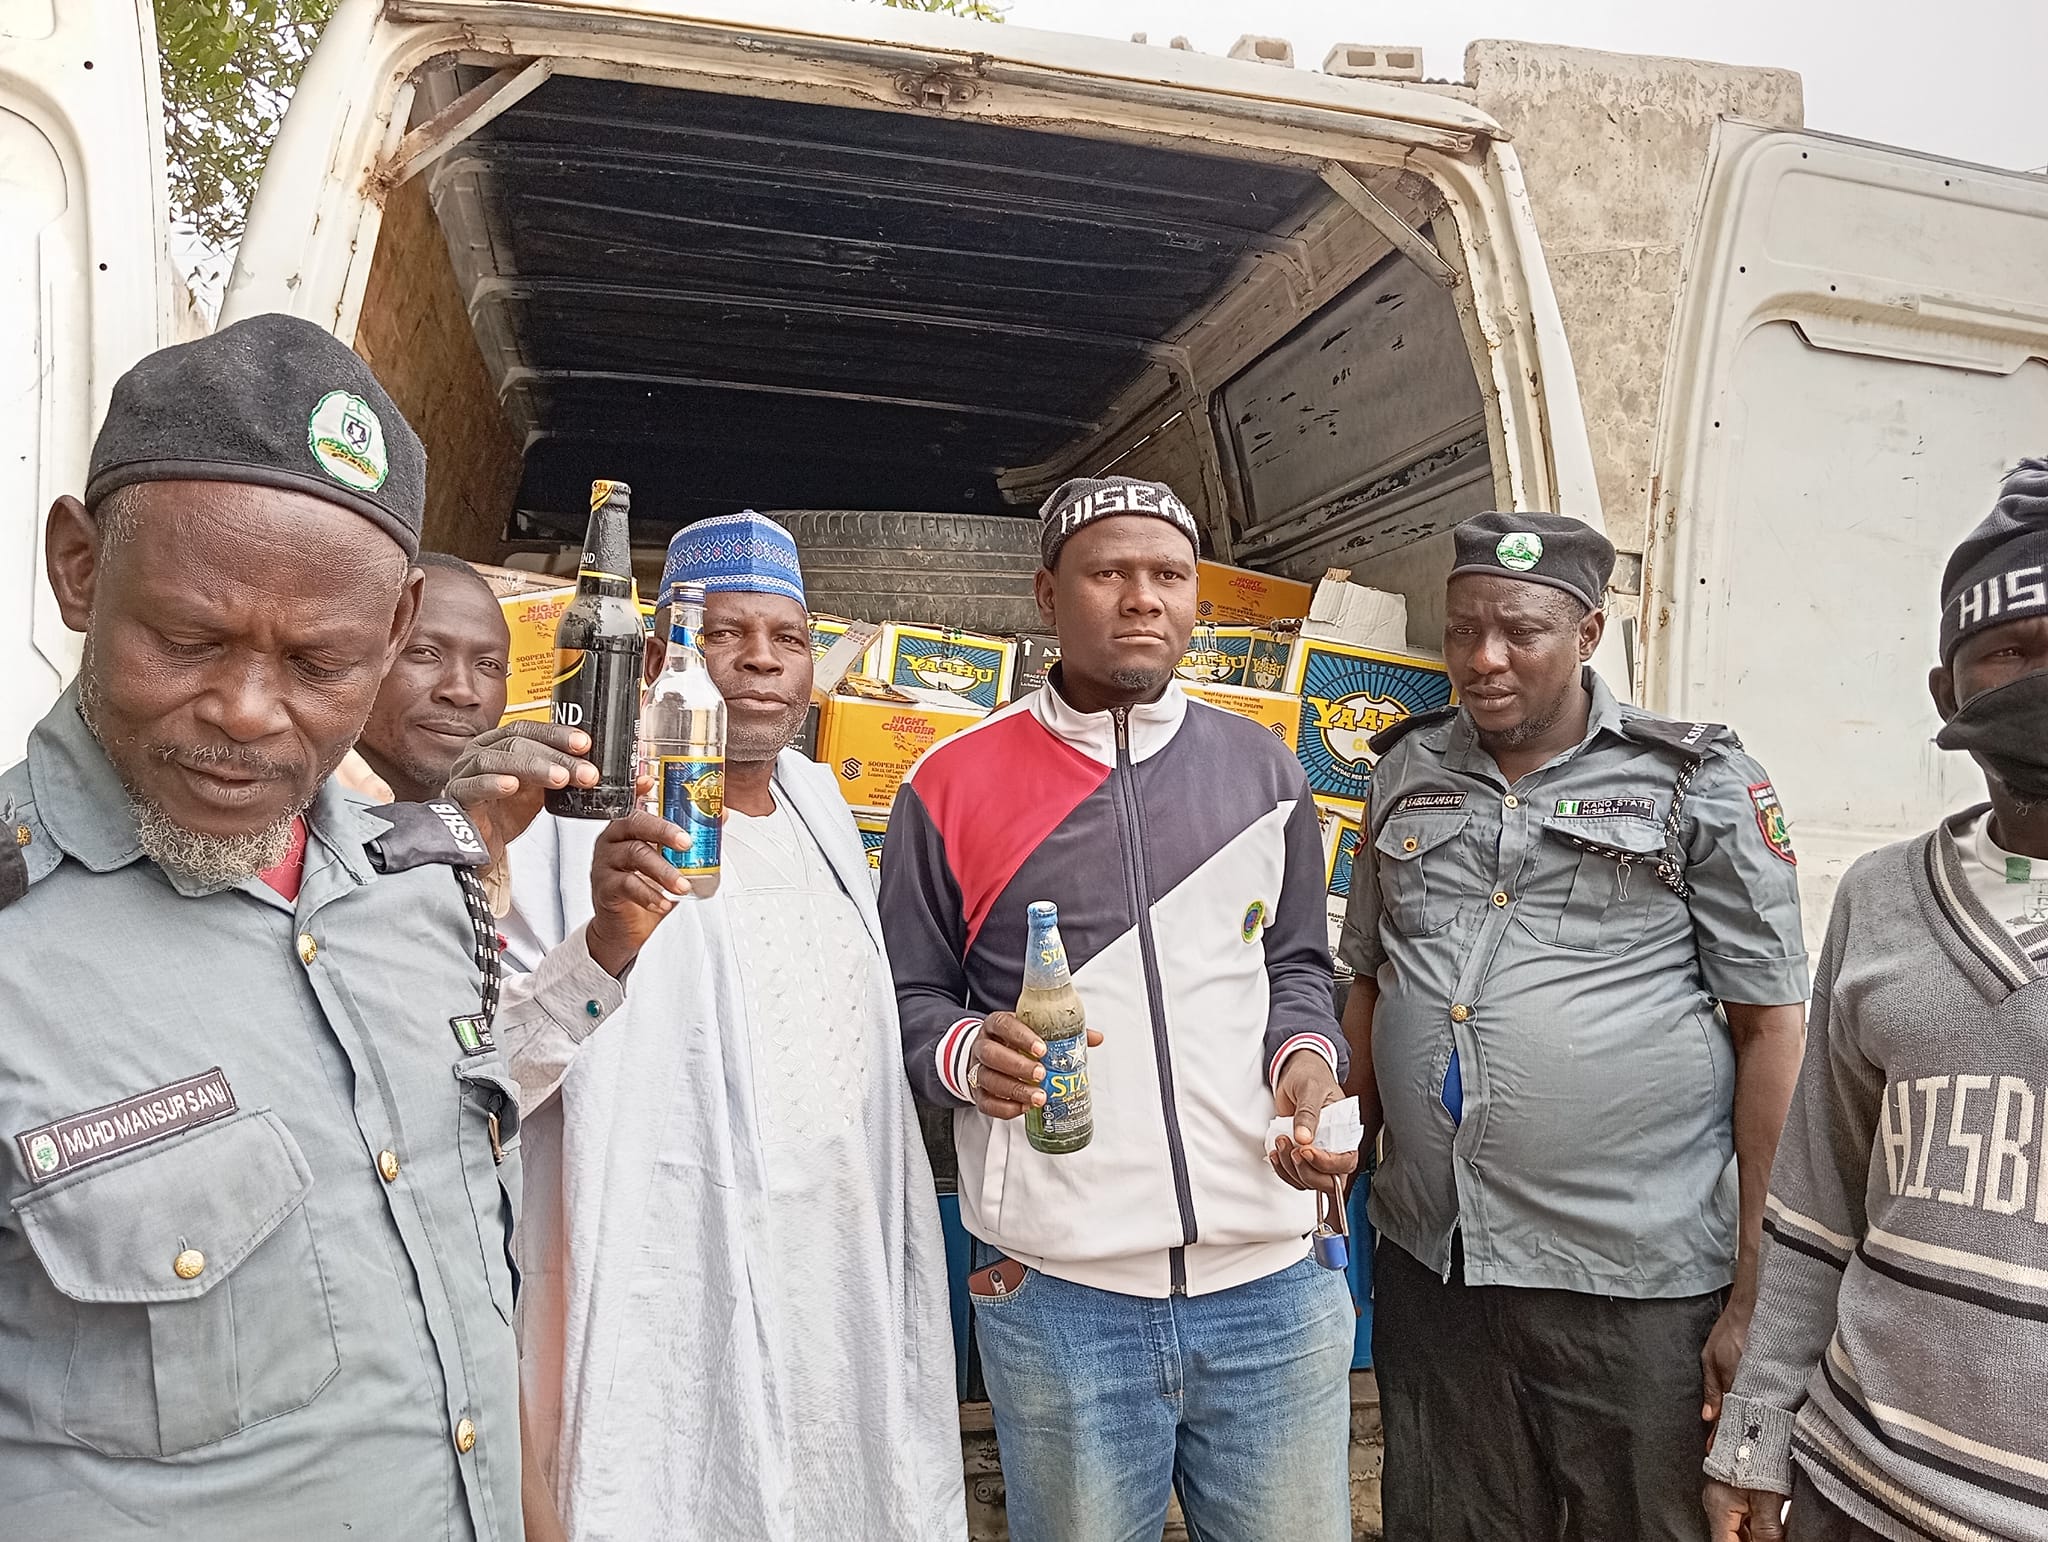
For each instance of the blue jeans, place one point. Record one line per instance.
(1239, 1401)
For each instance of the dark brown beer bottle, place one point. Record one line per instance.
(599, 644)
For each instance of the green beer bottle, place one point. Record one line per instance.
(1051, 1008)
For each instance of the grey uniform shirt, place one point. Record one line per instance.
(1526, 927)
(253, 1216)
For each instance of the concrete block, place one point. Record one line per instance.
(1373, 61)
(1266, 50)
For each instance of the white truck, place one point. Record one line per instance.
(832, 256)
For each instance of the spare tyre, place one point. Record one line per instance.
(971, 571)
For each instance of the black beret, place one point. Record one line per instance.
(1548, 549)
(1083, 500)
(2000, 572)
(272, 400)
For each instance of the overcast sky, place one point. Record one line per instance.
(1963, 78)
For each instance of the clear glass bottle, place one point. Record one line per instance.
(683, 732)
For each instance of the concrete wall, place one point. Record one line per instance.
(1614, 148)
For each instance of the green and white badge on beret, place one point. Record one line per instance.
(348, 441)
(1520, 550)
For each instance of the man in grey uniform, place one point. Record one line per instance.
(261, 1150)
(1579, 968)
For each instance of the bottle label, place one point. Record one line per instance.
(1068, 1109)
(693, 799)
(597, 689)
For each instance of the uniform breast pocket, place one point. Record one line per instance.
(1615, 892)
(1420, 882)
(488, 1137)
(200, 1307)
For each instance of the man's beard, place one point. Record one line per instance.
(209, 861)
(750, 743)
(1529, 729)
(1140, 682)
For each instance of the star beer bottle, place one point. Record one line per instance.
(599, 645)
(1051, 1008)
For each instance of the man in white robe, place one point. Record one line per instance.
(733, 1316)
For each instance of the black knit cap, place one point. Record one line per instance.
(2000, 572)
(1083, 500)
(272, 400)
(1549, 549)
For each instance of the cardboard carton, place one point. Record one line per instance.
(873, 824)
(1343, 825)
(1253, 656)
(1346, 612)
(941, 659)
(533, 603)
(873, 738)
(1036, 655)
(1346, 694)
(1238, 596)
(1269, 709)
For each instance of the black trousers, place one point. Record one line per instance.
(1519, 1415)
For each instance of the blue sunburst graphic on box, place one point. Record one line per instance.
(1347, 854)
(964, 668)
(1349, 694)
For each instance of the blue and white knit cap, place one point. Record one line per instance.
(744, 553)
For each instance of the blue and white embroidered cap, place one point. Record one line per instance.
(744, 553)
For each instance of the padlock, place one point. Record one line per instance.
(1333, 1249)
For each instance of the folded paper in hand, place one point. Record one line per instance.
(1339, 1131)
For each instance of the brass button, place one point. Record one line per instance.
(465, 1437)
(23, 835)
(188, 1264)
(1460, 1012)
(1409, 844)
(1500, 898)
(1512, 801)
(308, 948)
(387, 1164)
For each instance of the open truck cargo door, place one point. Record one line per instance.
(82, 268)
(1861, 349)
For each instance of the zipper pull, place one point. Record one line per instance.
(1122, 717)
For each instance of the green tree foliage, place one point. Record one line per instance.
(229, 67)
(973, 10)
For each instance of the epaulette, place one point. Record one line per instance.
(439, 833)
(1394, 733)
(423, 834)
(1696, 741)
(27, 854)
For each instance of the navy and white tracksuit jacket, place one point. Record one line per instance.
(1180, 843)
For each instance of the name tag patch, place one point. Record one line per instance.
(54, 1149)
(1430, 802)
(473, 1034)
(1606, 808)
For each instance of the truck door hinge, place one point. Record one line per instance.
(935, 91)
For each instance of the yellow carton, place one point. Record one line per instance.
(1270, 709)
(1347, 694)
(873, 824)
(531, 610)
(1238, 596)
(936, 658)
(872, 744)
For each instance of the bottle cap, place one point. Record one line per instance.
(1043, 913)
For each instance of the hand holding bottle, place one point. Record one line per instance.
(1006, 1066)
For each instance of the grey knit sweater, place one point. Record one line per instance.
(1899, 1351)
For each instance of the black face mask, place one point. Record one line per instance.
(2006, 729)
